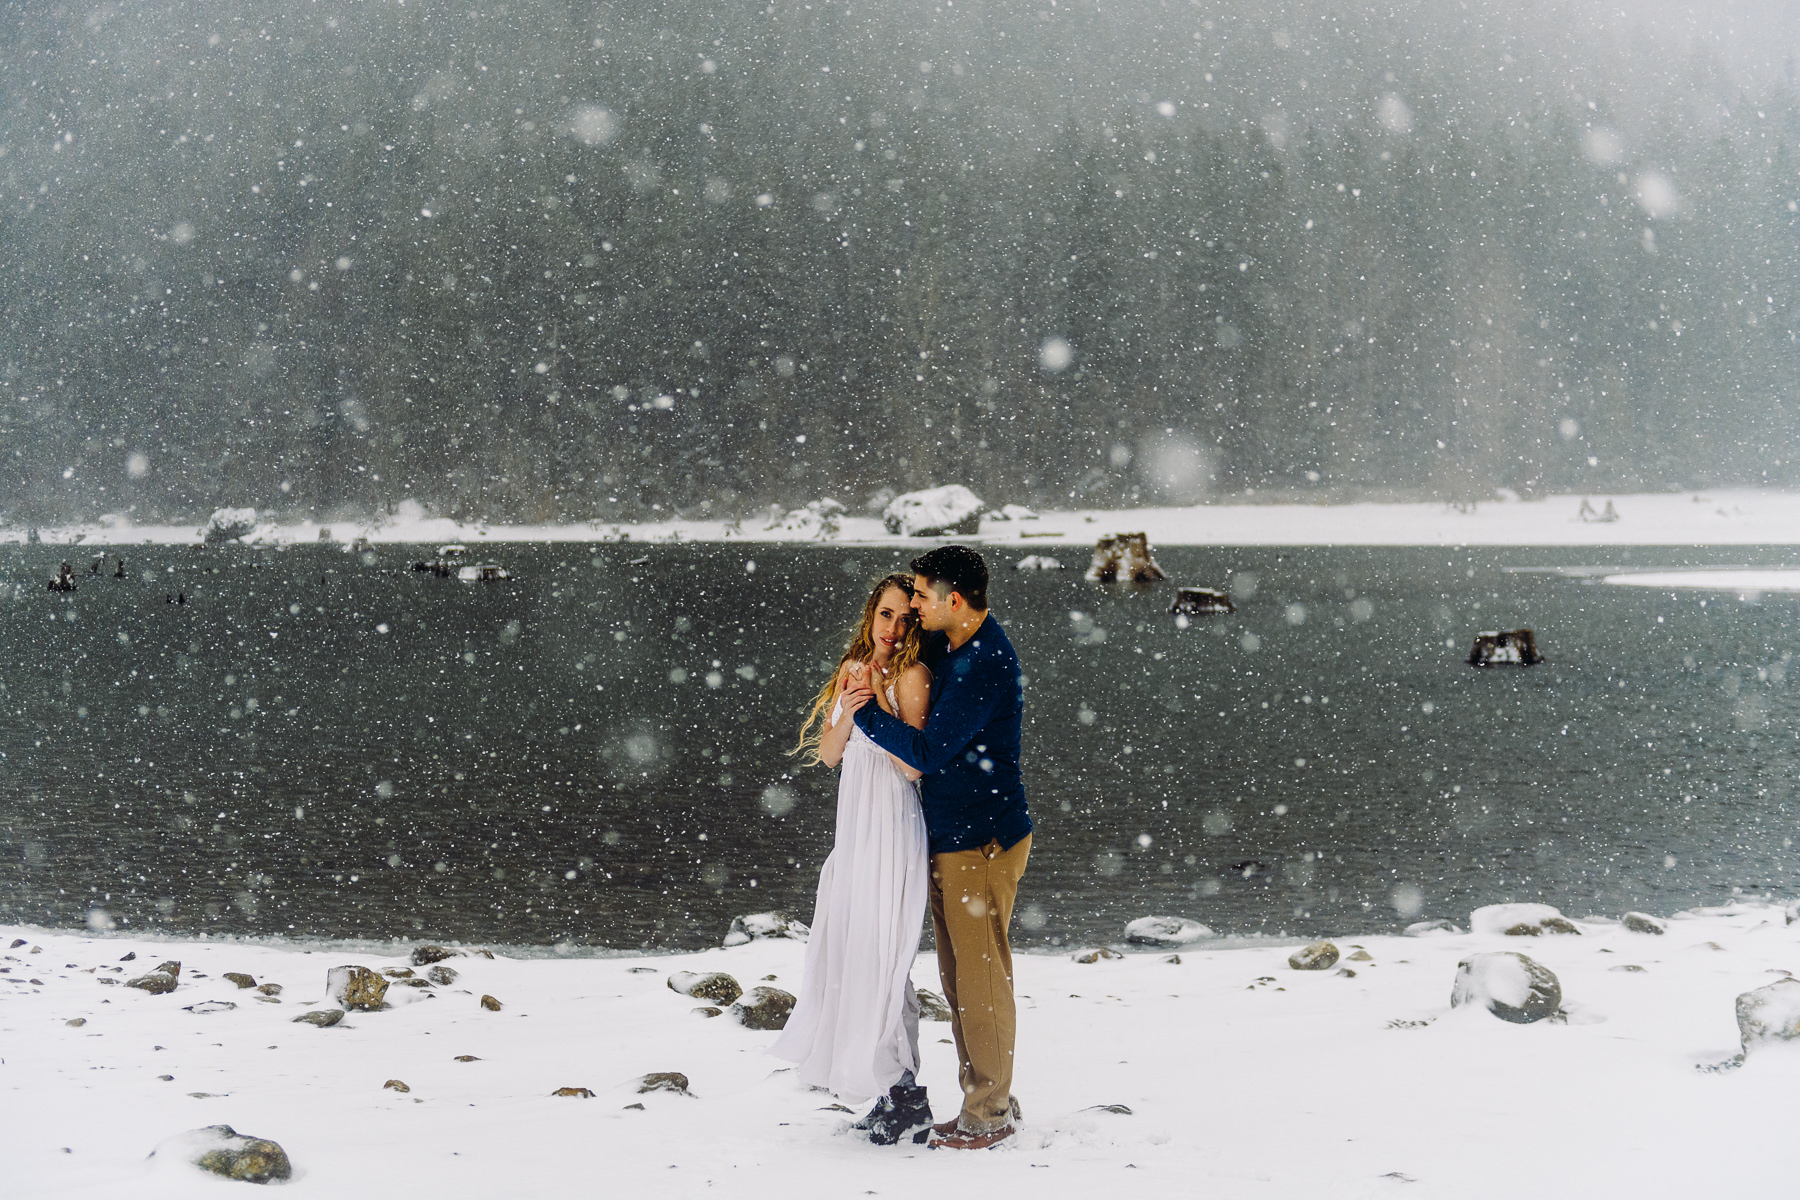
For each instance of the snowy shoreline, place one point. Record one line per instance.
(1710, 518)
(1242, 1075)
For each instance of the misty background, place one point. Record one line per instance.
(559, 261)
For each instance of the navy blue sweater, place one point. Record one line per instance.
(968, 752)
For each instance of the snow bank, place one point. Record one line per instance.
(1203, 1076)
(1748, 518)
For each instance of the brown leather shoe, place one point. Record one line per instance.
(945, 1129)
(972, 1141)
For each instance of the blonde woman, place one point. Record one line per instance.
(855, 1025)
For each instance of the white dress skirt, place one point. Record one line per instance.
(854, 1029)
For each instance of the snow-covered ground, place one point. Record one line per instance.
(1242, 1076)
(1712, 518)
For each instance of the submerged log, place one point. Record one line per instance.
(1197, 601)
(1505, 648)
(1124, 558)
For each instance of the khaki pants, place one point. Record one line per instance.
(972, 895)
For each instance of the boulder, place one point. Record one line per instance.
(222, 1150)
(76, 1022)
(934, 512)
(763, 1008)
(1520, 920)
(1639, 922)
(707, 1010)
(1124, 558)
(398, 972)
(491, 1004)
(241, 979)
(1165, 931)
(764, 925)
(716, 986)
(1769, 1014)
(1038, 562)
(1319, 956)
(664, 1081)
(356, 987)
(1095, 955)
(424, 956)
(1431, 928)
(163, 979)
(1509, 985)
(269, 989)
(396, 1085)
(1012, 512)
(578, 1092)
(932, 1006)
(441, 975)
(228, 525)
(324, 1018)
(1361, 955)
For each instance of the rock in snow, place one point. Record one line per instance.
(1769, 1014)
(163, 979)
(1038, 562)
(934, 512)
(820, 520)
(1509, 985)
(1319, 956)
(224, 1151)
(1435, 927)
(763, 1008)
(932, 1006)
(228, 525)
(716, 986)
(356, 987)
(1520, 920)
(1639, 922)
(1165, 931)
(764, 925)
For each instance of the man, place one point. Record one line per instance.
(977, 822)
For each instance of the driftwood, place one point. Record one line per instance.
(1505, 648)
(1124, 558)
(1198, 601)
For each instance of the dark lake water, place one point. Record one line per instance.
(322, 744)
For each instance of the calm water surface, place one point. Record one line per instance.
(324, 744)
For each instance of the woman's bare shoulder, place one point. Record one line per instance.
(917, 675)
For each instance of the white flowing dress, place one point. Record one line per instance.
(855, 1025)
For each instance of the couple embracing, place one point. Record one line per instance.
(923, 715)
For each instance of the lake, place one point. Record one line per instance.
(313, 743)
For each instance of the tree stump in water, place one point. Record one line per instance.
(1124, 558)
(1505, 648)
(1197, 601)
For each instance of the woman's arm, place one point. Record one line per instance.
(834, 738)
(913, 694)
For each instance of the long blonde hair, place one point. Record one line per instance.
(861, 649)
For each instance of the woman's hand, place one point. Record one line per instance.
(857, 690)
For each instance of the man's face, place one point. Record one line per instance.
(935, 603)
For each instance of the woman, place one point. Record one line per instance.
(855, 1026)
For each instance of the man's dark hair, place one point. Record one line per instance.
(958, 568)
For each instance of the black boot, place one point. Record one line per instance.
(902, 1113)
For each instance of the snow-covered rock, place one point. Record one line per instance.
(1124, 558)
(1037, 562)
(160, 981)
(222, 1150)
(1012, 512)
(763, 1008)
(1520, 920)
(764, 925)
(1165, 931)
(1639, 922)
(716, 986)
(228, 524)
(1769, 1014)
(1437, 927)
(1319, 956)
(819, 520)
(356, 987)
(1509, 985)
(934, 512)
